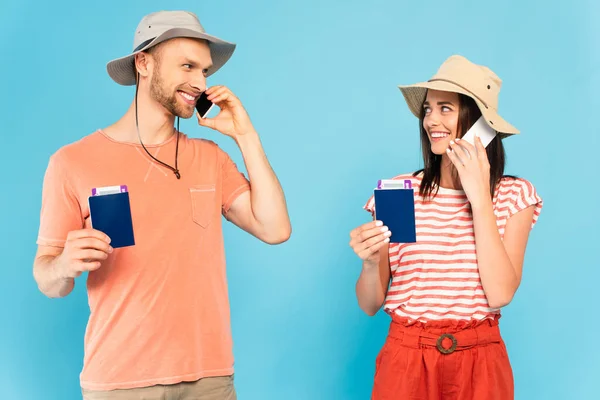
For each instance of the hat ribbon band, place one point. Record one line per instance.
(462, 87)
(144, 44)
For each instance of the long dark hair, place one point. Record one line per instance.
(468, 114)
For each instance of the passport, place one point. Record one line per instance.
(111, 214)
(396, 209)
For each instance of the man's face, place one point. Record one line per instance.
(179, 75)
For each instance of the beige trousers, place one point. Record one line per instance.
(217, 388)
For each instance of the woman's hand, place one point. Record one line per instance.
(473, 168)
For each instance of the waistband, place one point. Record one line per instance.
(447, 341)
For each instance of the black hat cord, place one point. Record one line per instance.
(176, 169)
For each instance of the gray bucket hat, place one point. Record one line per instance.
(164, 25)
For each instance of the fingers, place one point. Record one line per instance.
(78, 266)
(481, 153)
(465, 150)
(365, 249)
(368, 225)
(220, 97)
(91, 244)
(89, 255)
(219, 94)
(90, 266)
(369, 238)
(85, 250)
(216, 94)
(380, 237)
(367, 233)
(88, 233)
(454, 158)
(372, 250)
(85, 265)
(213, 89)
(207, 122)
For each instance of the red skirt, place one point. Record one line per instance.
(443, 360)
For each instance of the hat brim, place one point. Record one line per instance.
(415, 97)
(122, 70)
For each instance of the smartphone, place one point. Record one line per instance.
(204, 105)
(486, 133)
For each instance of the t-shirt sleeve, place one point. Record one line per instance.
(60, 209)
(525, 195)
(234, 182)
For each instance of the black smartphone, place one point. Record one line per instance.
(203, 105)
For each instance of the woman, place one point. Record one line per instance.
(444, 292)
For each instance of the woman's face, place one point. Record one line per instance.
(441, 119)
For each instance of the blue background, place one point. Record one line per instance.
(319, 80)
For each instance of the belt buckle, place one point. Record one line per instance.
(441, 348)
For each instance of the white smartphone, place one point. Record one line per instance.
(486, 133)
(203, 105)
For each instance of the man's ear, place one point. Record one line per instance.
(142, 61)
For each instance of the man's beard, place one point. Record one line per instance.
(160, 94)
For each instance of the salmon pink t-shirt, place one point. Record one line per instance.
(159, 310)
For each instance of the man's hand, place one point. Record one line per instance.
(232, 120)
(84, 250)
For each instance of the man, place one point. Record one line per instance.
(159, 322)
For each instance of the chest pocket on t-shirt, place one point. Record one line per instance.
(203, 204)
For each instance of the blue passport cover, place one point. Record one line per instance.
(396, 209)
(111, 214)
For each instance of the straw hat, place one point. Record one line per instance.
(459, 75)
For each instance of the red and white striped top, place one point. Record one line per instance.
(437, 277)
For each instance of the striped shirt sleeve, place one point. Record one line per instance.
(522, 196)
